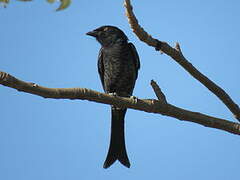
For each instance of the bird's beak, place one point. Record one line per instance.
(92, 33)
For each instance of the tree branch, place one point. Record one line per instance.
(148, 105)
(177, 55)
(160, 95)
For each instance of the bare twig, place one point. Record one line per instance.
(160, 95)
(177, 55)
(178, 48)
(147, 105)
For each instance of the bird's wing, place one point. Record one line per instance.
(135, 55)
(101, 67)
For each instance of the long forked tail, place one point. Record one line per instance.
(117, 148)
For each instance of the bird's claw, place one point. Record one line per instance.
(134, 99)
(113, 94)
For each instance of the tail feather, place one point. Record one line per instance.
(117, 148)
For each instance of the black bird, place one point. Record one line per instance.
(118, 65)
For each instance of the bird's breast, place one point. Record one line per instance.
(119, 70)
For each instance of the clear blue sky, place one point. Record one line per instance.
(47, 139)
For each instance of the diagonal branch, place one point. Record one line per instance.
(147, 105)
(177, 55)
(160, 95)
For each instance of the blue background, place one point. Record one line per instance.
(48, 139)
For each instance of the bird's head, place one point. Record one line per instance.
(108, 35)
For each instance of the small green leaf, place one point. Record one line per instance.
(4, 2)
(64, 4)
(51, 1)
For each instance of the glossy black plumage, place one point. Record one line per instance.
(118, 65)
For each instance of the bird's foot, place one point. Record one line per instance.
(113, 94)
(134, 99)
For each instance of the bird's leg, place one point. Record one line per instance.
(134, 99)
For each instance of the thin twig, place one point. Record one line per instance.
(160, 95)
